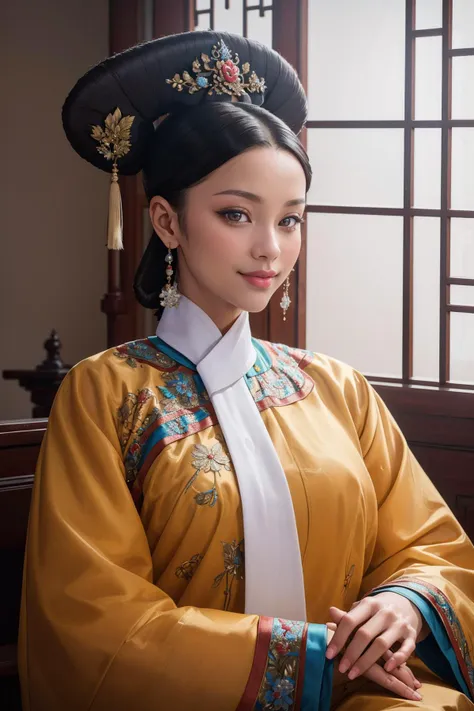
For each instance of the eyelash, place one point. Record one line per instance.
(224, 213)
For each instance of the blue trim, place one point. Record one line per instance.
(318, 671)
(179, 425)
(445, 665)
(172, 353)
(263, 361)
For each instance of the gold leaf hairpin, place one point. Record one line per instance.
(220, 74)
(114, 143)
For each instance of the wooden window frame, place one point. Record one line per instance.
(408, 211)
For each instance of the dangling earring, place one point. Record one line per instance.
(170, 296)
(286, 301)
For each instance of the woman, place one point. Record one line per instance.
(170, 458)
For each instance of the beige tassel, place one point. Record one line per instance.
(115, 224)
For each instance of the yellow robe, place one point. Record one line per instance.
(133, 591)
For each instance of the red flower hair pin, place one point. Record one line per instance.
(220, 74)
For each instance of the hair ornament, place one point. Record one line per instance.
(114, 143)
(219, 73)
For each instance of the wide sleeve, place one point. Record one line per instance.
(95, 632)
(419, 544)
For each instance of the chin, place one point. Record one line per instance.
(256, 304)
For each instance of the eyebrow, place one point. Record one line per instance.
(257, 198)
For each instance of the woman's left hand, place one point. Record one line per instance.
(376, 623)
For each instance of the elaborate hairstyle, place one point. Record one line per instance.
(177, 108)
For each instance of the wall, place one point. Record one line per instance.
(53, 205)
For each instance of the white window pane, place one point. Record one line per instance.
(426, 276)
(202, 4)
(462, 169)
(462, 87)
(428, 66)
(203, 22)
(463, 23)
(356, 59)
(462, 295)
(230, 20)
(429, 14)
(427, 165)
(462, 248)
(354, 292)
(356, 167)
(462, 348)
(260, 28)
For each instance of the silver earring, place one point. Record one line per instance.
(170, 296)
(285, 301)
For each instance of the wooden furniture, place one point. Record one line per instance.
(44, 380)
(19, 448)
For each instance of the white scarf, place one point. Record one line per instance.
(274, 584)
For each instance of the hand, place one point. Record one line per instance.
(400, 682)
(381, 621)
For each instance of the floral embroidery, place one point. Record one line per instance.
(208, 460)
(180, 391)
(233, 568)
(348, 578)
(134, 418)
(281, 674)
(449, 618)
(187, 569)
(285, 382)
(279, 693)
(143, 350)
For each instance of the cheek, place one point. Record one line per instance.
(291, 247)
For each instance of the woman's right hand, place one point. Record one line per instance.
(400, 682)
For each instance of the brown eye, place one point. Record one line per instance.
(234, 216)
(291, 221)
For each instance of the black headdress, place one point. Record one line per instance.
(111, 113)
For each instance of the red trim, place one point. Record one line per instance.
(301, 666)
(271, 401)
(306, 360)
(264, 635)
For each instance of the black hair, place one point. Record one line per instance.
(187, 147)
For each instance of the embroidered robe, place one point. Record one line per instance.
(133, 593)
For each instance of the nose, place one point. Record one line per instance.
(266, 245)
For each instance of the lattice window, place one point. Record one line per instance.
(391, 223)
(250, 19)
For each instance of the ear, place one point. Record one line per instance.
(165, 222)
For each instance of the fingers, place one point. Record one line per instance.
(336, 614)
(362, 639)
(409, 679)
(406, 675)
(390, 682)
(348, 623)
(376, 650)
(401, 656)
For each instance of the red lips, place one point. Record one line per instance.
(261, 274)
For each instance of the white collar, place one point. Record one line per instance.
(189, 330)
(270, 533)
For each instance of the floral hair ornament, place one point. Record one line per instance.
(220, 74)
(114, 143)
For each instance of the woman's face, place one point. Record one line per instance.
(242, 232)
